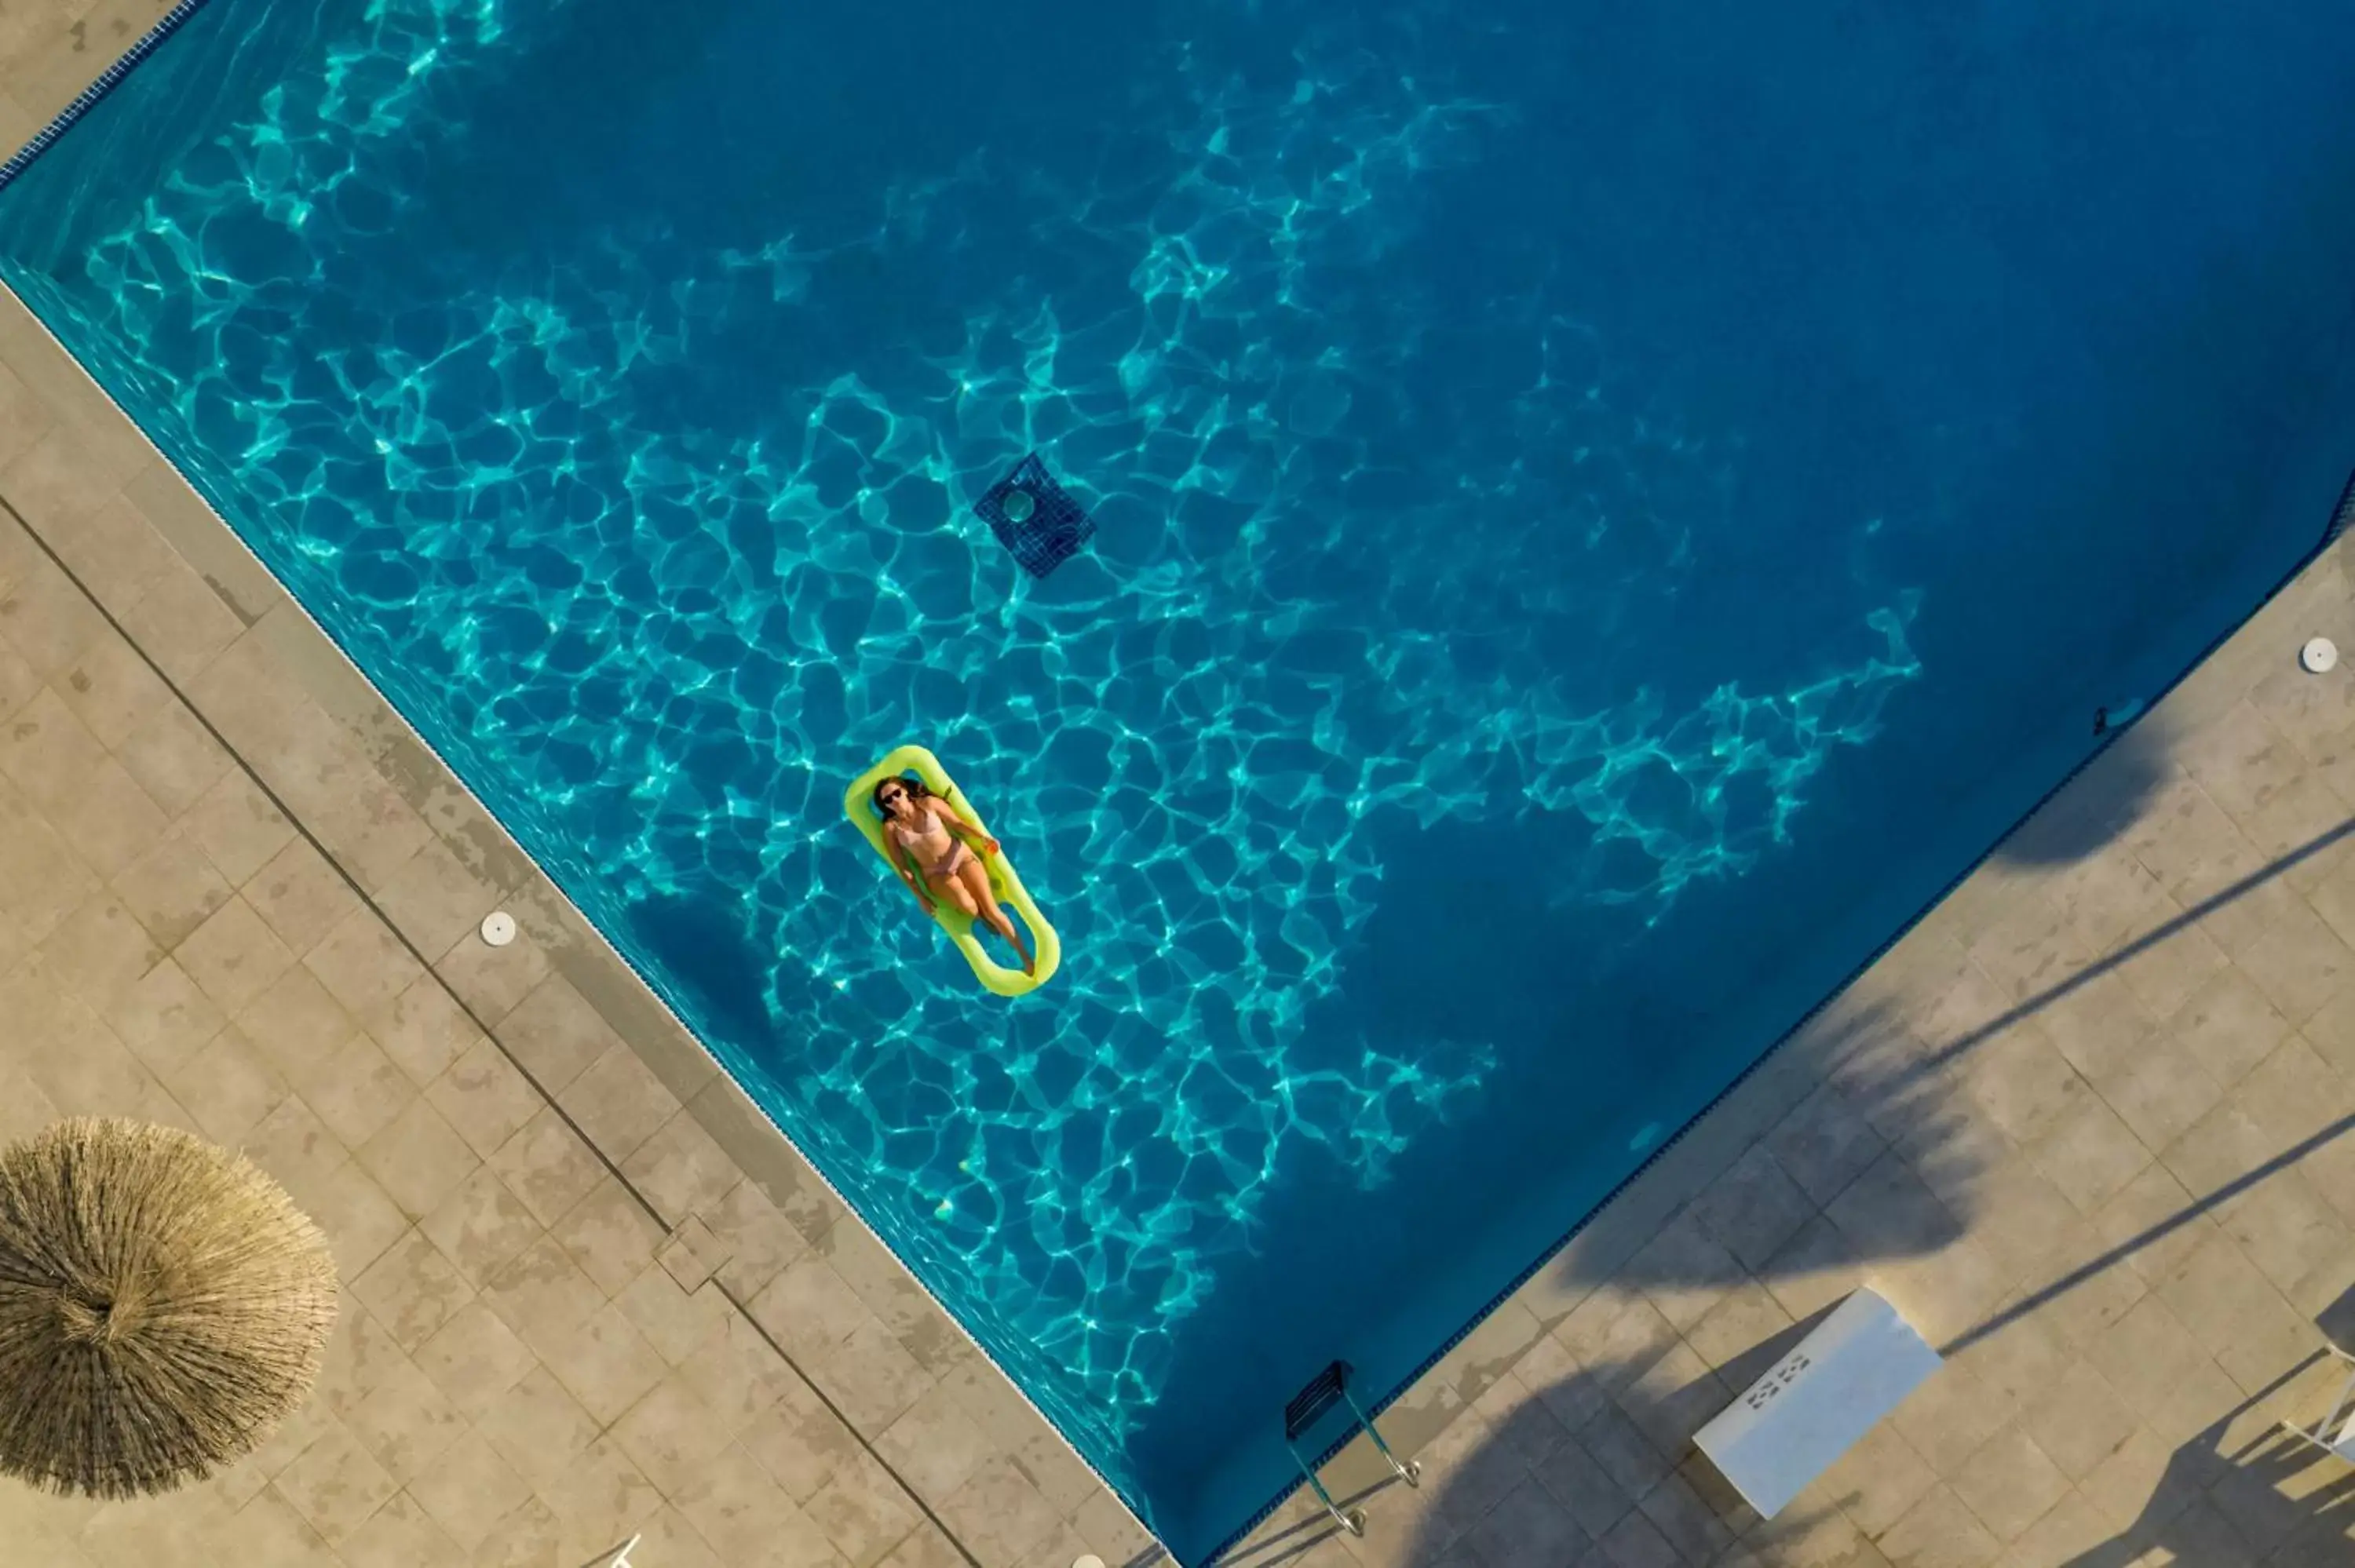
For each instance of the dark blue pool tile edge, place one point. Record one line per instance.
(108, 80)
(2342, 517)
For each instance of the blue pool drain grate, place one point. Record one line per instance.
(1035, 518)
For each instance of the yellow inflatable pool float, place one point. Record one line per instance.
(858, 805)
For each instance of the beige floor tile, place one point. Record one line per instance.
(401, 1534)
(1948, 1417)
(418, 1158)
(605, 1362)
(433, 899)
(172, 889)
(602, 1497)
(802, 1445)
(412, 1290)
(530, 1536)
(406, 1422)
(554, 1035)
(2298, 962)
(2010, 1483)
(300, 895)
(174, 758)
(2293, 1095)
(233, 957)
(671, 1435)
(484, 1098)
(539, 1428)
(2090, 1155)
(2292, 1232)
(865, 1514)
(1939, 1531)
(618, 1103)
(934, 1444)
(997, 1514)
(884, 1284)
(675, 1321)
(548, 1166)
(2154, 1221)
(296, 1023)
(42, 880)
(361, 1353)
(362, 964)
(2161, 1092)
(2081, 1421)
(681, 1169)
(2229, 1025)
(355, 1089)
(543, 1295)
(268, 1532)
(109, 818)
(610, 1234)
(164, 1017)
(335, 1484)
(361, 1223)
(294, 1145)
(237, 826)
(180, 622)
(809, 1307)
(760, 1242)
(2096, 1021)
(741, 1375)
(692, 1254)
(48, 622)
(2070, 1531)
(112, 691)
(2236, 1314)
(469, 1489)
(100, 952)
(424, 1030)
(481, 1227)
(475, 1359)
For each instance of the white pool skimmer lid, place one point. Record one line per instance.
(498, 928)
(2319, 655)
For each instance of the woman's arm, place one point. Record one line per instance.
(960, 827)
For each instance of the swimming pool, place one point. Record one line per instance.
(1602, 516)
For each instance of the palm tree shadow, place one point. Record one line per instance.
(1597, 1454)
(2096, 807)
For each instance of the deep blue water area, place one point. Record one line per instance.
(1605, 512)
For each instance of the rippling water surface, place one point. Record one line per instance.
(1601, 515)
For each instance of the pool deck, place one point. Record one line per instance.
(2086, 1125)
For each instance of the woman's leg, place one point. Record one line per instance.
(975, 877)
(953, 889)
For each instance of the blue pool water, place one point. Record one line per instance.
(1604, 512)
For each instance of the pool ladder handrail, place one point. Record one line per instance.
(1326, 1389)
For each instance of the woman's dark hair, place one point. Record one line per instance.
(915, 788)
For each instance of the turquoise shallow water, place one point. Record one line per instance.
(1602, 516)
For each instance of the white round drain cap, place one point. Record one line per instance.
(2318, 655)
(1090, 1561)
(498, 927)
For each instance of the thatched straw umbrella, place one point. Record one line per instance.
(163, 1305)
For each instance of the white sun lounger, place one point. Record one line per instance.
(1811, 1407)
